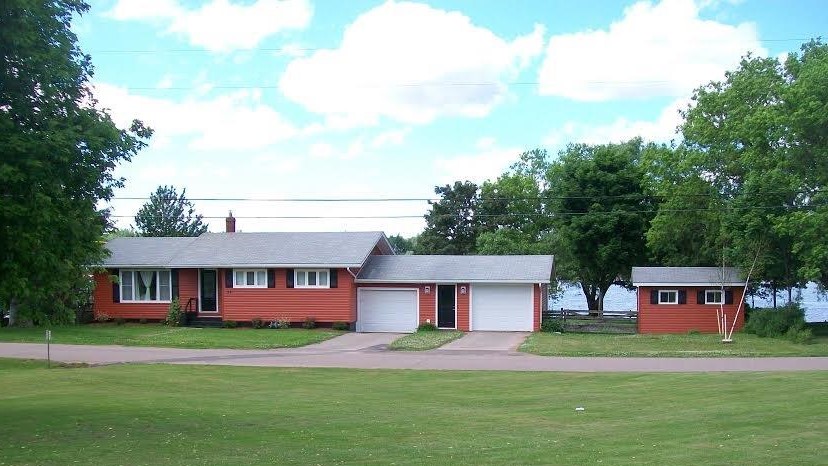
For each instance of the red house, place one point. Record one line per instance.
(681, 299)
(351, 277)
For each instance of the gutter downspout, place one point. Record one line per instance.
(349, 271)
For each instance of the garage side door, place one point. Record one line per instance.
(387, 310)
(502, 308)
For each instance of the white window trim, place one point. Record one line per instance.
(668, 302)
(296, 273)
(255, 275)
(721, 297)
(135, 286)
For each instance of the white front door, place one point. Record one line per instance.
(502, 308)
(386, 310)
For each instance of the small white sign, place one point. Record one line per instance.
(48, 335)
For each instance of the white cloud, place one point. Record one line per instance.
(662, 49)
(486, 163)
(393, 137)
(662, 129)
(409, 62)
(220, 25)
(234, 121)
(321, 150)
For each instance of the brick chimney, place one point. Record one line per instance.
(230, 223)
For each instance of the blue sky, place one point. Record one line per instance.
(386, 99)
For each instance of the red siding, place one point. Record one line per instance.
(463, 307)
(292, 304)
(681, 318)
(187, 288)
(428, 302)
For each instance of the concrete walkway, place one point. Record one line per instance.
(376, 357)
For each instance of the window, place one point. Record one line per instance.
(312, 279)
(667, 297)
(253, 278)
(146, 285)
(713, 297)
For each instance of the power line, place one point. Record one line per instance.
(315, 49)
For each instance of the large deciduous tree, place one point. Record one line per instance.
(451, 224)
(58, 153)
(750, 176)
(599, 215)
(168, 213)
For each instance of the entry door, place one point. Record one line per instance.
(446, 305)
(208, 299)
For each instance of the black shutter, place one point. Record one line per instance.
(289, 278)
(228, 278)
(174, 281)
(682, 296)
(654, 297)
(332, 278)
(728, 296)
(271, 278)
(116, 285)
(700, 297)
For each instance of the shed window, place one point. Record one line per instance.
(306, 278)
(668, 297)
(713, 297)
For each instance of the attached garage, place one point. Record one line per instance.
(386, 310)
(503, 308)
(483, 293)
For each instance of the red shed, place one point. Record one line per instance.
(683, 299)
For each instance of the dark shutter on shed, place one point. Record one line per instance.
(228, 278)
(174, 281)
(289, 278)
(682, 296)
(116, 285)
(271, 278)
(728, 297)
(653, 296)
(700, 297)
(332, 278)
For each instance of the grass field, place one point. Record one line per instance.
(426, 340)
(744, 345)
(182, 415)
(176, 337)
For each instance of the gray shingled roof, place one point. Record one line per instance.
(418, 269)
(686, 276)
(139, 251)
(346, 249)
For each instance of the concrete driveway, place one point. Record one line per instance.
(353, 341)
(486, 341)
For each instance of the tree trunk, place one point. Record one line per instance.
(773, 290)
(12, 312)
(790, 297)
(589, 293)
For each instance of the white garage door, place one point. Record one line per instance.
(387, 310)
(502, 308)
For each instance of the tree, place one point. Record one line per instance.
(402, 245)
(451, 225)
(56, 165)
(512, 214)
(599, 215)
(754, 150)
(168, 213)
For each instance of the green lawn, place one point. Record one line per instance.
(182, 415)
(426, 340)
(744, 345)
(178, 337)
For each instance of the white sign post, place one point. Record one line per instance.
(48, 349)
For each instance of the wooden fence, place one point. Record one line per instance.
(585, 321)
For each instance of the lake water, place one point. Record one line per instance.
(620, 299)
